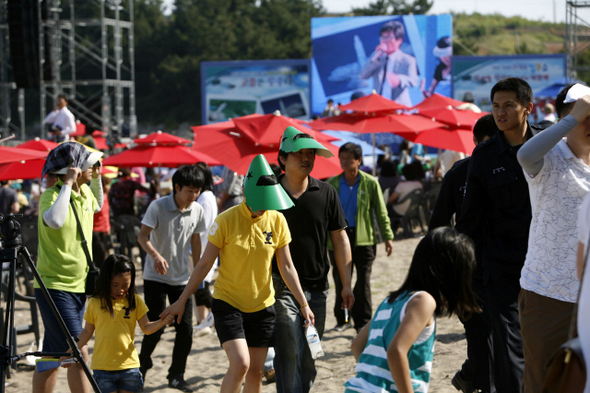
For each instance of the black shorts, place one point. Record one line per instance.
(256, 327)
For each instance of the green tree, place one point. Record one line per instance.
(395, 7)
(215, 30)
(150, 27)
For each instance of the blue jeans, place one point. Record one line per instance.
(294, 367)
(111, 381)
(71, 308)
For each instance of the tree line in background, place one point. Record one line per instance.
(169, 49)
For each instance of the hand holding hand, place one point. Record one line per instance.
(168, 319)
(175, 309)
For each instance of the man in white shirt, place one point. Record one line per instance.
(62, 121)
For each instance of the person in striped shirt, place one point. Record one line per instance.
(395, 350)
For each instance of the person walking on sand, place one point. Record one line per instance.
(361, 197)
(170, 231)
(113, 312)
(315, 216)
(246, 237)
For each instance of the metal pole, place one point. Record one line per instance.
(21, 112)
(132, 116)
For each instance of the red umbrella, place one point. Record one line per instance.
(372, 124)
(12, 154)
(99, 133)
(162, 138)
(453, 117)
(101, 143)
(457, 139)
(235, 150)
(162, 155)
(373, 103)
(30, 169)
(267, 130)
(38, 144)
(80, 130)
(436, 101)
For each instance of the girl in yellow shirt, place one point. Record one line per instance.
(246, 237)
(113, 312)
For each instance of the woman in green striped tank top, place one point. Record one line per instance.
(394, 352)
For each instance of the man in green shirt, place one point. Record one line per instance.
(360, 195)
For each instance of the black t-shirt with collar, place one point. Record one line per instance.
(316, 212)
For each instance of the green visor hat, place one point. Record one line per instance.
(262, 189)
(294, 140)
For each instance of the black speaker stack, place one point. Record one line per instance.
(23, 28)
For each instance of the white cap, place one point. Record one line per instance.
(576, 92)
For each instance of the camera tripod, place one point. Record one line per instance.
(11, 248)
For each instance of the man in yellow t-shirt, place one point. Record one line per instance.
(246, 237)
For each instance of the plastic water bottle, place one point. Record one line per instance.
(313, 340)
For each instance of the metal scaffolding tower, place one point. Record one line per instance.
(6, 85)
(86, 49)
(577, 37)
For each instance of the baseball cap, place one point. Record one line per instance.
(294, 140)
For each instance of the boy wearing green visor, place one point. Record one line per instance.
(315, 216)
(246, 237)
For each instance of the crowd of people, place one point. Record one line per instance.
(504, 251)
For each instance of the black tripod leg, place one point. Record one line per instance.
(75, 350)
(6, 346)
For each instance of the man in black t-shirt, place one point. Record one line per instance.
(317, 213)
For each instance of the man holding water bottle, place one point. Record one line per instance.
(316, 213)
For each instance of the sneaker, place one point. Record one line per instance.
(203, 332)
(462, 384)
(179, 383)
(343, 327)
(208, 322)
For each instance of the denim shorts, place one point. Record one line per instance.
(71, 308)
(112, 381)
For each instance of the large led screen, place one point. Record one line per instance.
(405, 58)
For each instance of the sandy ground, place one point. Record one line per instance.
(207, 362)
